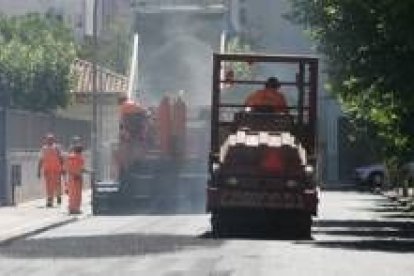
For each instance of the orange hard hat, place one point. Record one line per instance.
(130, 107)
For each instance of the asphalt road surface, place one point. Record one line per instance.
(355, 234)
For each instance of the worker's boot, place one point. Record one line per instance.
(59, 199)
(75, 212)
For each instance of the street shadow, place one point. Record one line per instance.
(366, 228)
(391, 246)
(407, 215)
(165, 207)
(258, 235)
(381, 199)
(384, 209)
(386, 234)
(392, 231)
(352, 224)
(383, 205)
(104, 246)
(387, 205)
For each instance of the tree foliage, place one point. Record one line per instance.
(114, 47)
(369, 47)
(36, 54)
(238, 70)
(241, 69)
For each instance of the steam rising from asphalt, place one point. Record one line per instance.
(178, 56)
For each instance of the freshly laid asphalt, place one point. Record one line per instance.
(354, 234)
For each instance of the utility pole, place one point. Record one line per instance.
(133, 72)
(94, 135)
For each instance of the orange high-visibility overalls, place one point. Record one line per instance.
(51, 165)
(164, 125)
(74, 166)
(179, 118)
(268, 97)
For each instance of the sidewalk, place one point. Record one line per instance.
(33, 217)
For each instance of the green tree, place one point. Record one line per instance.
(113, 47)
(369, 47)
(241, 69)
(36, 54)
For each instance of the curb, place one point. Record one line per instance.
(35, 231)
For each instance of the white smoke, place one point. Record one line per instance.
(179, 57)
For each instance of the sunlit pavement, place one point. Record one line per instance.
(355, 234)
(32, 216)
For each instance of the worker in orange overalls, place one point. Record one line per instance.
(269, 97)
(130, 107)
(132, 133)
(164, 119)
(51, 165)
(178, 131)
(74, 168)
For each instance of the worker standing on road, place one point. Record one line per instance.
(270, 96)
(75, 167)
(164, 125)
(178, 130)
(51, 165)
(132, 133)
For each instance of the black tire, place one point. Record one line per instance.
(223, 224)
(216, 224)
(376, 180)
(292, 225)
(304, 227)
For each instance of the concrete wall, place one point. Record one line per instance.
(30, 186)
(24, 133)
(25, 153)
